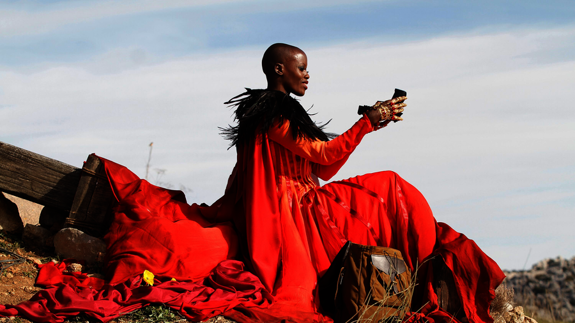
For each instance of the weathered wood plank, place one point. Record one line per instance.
(37, 178)
(92, 207)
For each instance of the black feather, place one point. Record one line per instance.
(257, 110)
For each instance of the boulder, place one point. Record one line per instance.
(75, 244)
(10, 220)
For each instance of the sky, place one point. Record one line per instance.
(489, 130)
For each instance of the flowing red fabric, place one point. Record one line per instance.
(155, 229)
(66, 294)
(287, 228)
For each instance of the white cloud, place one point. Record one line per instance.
(489, 135)
(46, 18)
(19, 22)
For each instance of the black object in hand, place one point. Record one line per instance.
(397, 94)
(363, 108)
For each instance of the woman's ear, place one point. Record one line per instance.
(279, 69)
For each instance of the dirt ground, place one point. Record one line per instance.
(17, 282)
(17, 278)
(17, 285)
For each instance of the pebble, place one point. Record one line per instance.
(74, 268)
(35, 260)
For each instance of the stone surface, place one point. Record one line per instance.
(72, 243)
(9, 216)
(34, 260)
(74, 268)
(516, 315)
(547, 291)
(29, 211)
(37, 236)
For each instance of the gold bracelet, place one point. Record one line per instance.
(385, 113)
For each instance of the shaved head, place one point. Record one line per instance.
(277, 53)
(285, 67)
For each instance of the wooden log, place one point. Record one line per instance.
(92, 207)
(37, 178)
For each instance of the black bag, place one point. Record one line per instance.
(366, 282)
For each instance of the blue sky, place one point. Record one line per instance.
(181, 30)
(489, 135)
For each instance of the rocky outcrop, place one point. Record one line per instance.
(547, 291)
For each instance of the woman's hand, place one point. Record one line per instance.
(382, 113)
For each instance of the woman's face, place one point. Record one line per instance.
(295, 76)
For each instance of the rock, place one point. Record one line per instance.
(9, 275)
(542, 265)
(96, 275)
(515, 315)
(547, 291)
(74, 268)
(37, 236)
(558, 262)
(75, 244)
(29, 211)
(34, 260)
(10, 220)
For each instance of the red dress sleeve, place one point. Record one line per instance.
(327, 156)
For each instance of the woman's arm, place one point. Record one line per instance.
(326, 172)
(323, 153)
(328, 157)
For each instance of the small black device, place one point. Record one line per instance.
(363, 108)
(397, 94)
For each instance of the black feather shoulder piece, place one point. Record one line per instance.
(256, 110)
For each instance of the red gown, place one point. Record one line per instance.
(293, 234)
(289, 229)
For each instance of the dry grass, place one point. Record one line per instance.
(390, 312)
(502, 303)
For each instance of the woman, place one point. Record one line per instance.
(280, 150)
(288, 228)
